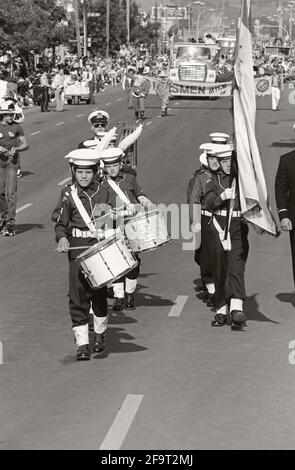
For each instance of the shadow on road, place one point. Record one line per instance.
(27, 173)
(115, 344)
(150, 300)
(287, 144)
(119, 318)
(252, 311)
(21, 228)
(288, 297)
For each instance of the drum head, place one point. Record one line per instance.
(142, 215)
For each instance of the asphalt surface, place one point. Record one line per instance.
(170, 381)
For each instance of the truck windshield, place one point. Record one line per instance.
(193, 53)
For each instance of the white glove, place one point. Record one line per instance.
(100, 234)
(229, 193)
(196, 228)
(144, 201)
(130, 209)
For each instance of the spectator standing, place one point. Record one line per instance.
(45, 86)
(58, 87)
(12, 141)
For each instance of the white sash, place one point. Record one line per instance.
(82, 211)
(118, 191)
(226, 243)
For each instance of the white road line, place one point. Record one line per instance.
(35, 133)
(178, 307)
(107, 104)
(61, 183)
(79, 115)
(148, 123)
(121, 425)
(60, 123)
(119, 99)
(22, 208)
(176, 103)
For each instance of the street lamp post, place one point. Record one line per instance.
(189, 6)
(85, 40)
(198, 19)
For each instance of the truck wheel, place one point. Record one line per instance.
(69, 100)
(88, 101)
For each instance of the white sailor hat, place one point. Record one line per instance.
(83, 157)
(91, 143)
(111, 155)
(221, 150)
(7, 107)
(203, 159)
(98, 116)
(219, 137)
(217, 150)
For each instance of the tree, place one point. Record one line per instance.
(30, 25)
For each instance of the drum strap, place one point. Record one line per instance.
(82, 211)
(118, 191)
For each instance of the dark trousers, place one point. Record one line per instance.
(45, 98)
(8, 192)
(229, 266)
(80, 295)
(292, 241)
(205, 252)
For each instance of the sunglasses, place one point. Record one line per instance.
(98, 124)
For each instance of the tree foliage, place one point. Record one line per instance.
(31, 25)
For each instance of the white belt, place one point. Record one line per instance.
(76, 232)
(224, 213)
(203, 212)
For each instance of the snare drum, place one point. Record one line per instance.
(106, 261)
(146, 231)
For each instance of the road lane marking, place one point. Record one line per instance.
(60, 123)
(107, 104)
(61, 183)
(119, 99)
(22, 208)
(35, 133)
(79, 115)
(122, 423)
(148, 123)
(177, 103)
(176, 310)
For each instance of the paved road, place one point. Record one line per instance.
(169, 381)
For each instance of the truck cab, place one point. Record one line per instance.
(192, 63)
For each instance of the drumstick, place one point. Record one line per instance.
(78, 247)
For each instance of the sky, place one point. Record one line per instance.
(267, 7)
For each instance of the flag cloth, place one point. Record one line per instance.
(252, 186)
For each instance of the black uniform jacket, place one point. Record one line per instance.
(212, 199)
(285, 187)
(128, 184)
(67, 216)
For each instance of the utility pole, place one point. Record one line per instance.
(128, 19)
(156, 20)
(85, 40)
(108, 28)
(77, 24)
(281, 20)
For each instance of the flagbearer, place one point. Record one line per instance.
(72, 230)
(230, 258)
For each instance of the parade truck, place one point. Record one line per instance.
(194, 71)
